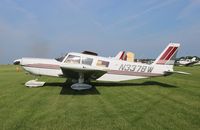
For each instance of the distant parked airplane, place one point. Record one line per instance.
(86, 66)
(187, 62)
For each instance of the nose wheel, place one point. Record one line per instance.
(34, 83)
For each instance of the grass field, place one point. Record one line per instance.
(171, 102)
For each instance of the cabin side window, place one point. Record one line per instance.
(87, 61)
(102, 63)
(73, 59)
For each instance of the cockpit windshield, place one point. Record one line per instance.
(61, 58)
(73, 59)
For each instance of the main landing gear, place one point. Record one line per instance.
(77, 86)
(81, 85)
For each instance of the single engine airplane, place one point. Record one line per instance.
(187, 62)
(86, 66)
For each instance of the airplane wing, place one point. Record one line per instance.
(191, 63)
(73, 71)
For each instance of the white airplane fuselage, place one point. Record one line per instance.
(83, 67)
(118, 70)
(38, 66)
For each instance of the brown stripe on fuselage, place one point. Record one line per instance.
(44, 66)
(115, 72)
(129, 73)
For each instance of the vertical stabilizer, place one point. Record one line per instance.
(168, 56)
(120, 55)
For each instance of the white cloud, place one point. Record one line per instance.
(153, 6)
(192, 7)
(79, 7)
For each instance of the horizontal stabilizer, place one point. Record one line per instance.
(178, 72)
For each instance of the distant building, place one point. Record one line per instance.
(130, 56)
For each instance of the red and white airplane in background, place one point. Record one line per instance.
(83, 67)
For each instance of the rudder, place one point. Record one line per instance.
(168, 56)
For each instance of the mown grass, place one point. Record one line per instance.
(171, 102)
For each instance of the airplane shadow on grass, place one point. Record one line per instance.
(121, 84)
(66, 89)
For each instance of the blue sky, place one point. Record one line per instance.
(51, 28)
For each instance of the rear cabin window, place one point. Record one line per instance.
(73, 59)
(102, 63)
(87, 61)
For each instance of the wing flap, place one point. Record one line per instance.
(72, 71)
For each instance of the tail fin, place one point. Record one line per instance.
(126, 56)
(120, 55)
(168, 56)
